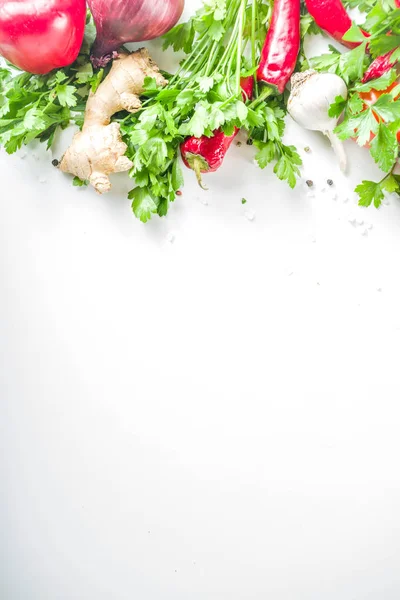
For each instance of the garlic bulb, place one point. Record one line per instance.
(311, 96)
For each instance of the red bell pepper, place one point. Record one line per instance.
(282, 44)
(38, 36)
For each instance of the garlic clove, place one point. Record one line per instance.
(310, 98)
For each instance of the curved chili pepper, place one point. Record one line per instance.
(206, 154)
(282, 44)
(333, 18)
(378, 67)
(41, 36)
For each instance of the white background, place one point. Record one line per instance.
(205, 407)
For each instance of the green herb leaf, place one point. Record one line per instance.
(336, 109)
(369, 192)
(143, 205)
(351, 64)
(384, 148)
(381, 83)
(387, 108)
(66, 95)
(266, 153)
(79, 182)
(391, 184)
(354, 34)
(181, 37)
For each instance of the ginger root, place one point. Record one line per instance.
(98, 150)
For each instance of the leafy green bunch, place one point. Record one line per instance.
(222, 43)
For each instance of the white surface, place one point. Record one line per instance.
(204, 407)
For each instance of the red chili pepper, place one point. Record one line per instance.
(39, 36)
(206, 154)
(379, 67)
(332, 17)
(282, 44)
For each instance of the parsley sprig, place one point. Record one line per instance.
(205, 95)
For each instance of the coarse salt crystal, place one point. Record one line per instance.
(171, 237)
(249, 214)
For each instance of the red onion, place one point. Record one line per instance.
(121, 21)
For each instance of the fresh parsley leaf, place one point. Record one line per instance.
(381, 83)
(354, 34)
(287, 166)
(387, 108)
(34, 119)
(360, 127)
(180, 37)
(355, 104)
(351, 64)
(391, 183)
(266, 153)
(79, 182)
(327, 62)
(369, 192)
(241, 111)
(384, 148)
(336, 109)
(143, 204)
(383, 44)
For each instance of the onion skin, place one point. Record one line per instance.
(38, 36)
(119, 22)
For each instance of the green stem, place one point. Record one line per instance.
(266, 93)
(253, 34)
(211, 57)
(239, 46)
(198, 48)
(225, 57)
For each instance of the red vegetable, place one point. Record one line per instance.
(379, 67)
(39, 36)
(332, 17)
(206, 154)
(282, 44)
(121, 21)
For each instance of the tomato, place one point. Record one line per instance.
(369, 98)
